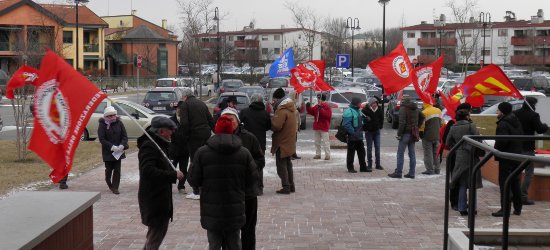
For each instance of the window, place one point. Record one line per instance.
(486, 52)
(487, 33)
(264, 51)
(465, 52)
(502, 51)
(230, 38)
(411, 51)
(277, 37)
(466, 33)
(265, 37)
(67, 37)
(411, 34)
(277, 51)
(502, 32)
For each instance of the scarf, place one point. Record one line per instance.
(109, 120)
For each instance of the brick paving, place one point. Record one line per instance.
(331, 209)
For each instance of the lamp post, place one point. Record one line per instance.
(439, 25)
(383, 3)
(217, 19)
(76, 2)
(485, 21)
(544, 52)
(354, 26)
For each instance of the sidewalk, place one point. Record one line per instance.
(331, 209)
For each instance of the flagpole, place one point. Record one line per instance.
(145, 132)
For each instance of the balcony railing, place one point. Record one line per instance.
(247, 44)
(530, 60)
(434, 42)
(91, 47)
(530, 41)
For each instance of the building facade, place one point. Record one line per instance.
(512, 42)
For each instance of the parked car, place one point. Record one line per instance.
(394, 104)
(445, 85)
(211, 103)
(300, 104)
(141, 114)
(242, 100)
(492, 110)
(170, 82)
(340, 98)
(264, 81)
(279, 82)
(539, 83)
(250, 90)
(230, 85)
(163, 99)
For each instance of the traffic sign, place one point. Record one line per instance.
(342, 61)
(139, 60)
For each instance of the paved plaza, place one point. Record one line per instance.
(331, 209)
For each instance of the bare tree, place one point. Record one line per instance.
(333, 39)
(309, 22)
(463, 14)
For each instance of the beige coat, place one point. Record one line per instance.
(283, 124)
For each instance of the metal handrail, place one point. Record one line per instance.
(525, 160)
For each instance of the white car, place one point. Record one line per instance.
(445, 85)
(339, 100)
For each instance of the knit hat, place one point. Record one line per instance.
(279, 93)
(109, 110)
(231, 111)
(162, 122)
(224, 125)
(464, 105)
(505, 107)
(355, 101)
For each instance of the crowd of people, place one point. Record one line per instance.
(222, 157)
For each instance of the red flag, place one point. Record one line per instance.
(450, 104)
(427, 78)
(25, 74)
(318, 69)
(309, 76)
(490, 80)
(63, 103)
(394, 70)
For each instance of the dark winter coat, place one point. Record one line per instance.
(463, 155)
(155, 181)
(409, 115)
(322, 115)
(224, 170)
(353, 123)
(114, 136)
(372, 120)
(257, 121)
(530, 122)
(178, 144)
(196, 122)
(508, 125)
(251, 143)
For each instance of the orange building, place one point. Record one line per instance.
(28, 28)
(129, 36)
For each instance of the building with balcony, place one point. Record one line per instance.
(130, 36)
(27, 29)
(258, 46)
(511, 42)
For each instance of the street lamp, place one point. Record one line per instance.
(354, 26)
(439, 25)
(217, 19)
(484, 21)
(383, 3)
(76, 2)
(544, 52)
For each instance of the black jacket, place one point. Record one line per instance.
(196, 121)
(251, 143)
(372, 121)
(530, 122)
(155, 181)
(179, 141)
(256, 120)
(115, 135)
(224, 170)
(508, 125)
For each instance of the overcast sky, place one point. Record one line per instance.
(273, 14)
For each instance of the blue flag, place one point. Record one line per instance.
(282, 65)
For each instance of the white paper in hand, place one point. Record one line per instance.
(118, 154)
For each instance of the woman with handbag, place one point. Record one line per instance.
(114, 140)
(410, 119)
(460, 176)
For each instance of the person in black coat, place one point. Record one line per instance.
(530, 122)
(114, 140)
(179, 153)
(508, 124)
(155, 180)
(257, 121)
(373, 122)
(196, 125)
(226, 173)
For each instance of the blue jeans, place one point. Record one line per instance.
(462, 198)
(373, 136)
(406, 142)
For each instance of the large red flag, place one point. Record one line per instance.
(63, 103)
(427, 78)
(490, 80)
(318, 69)
(24, 75)
(309, 76)
(394, 70)
(449, 103)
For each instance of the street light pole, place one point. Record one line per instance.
(485, 20)
(383, 3)
(217, 18)
(354, 26)
(544, 53)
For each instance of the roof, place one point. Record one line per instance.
(476, 25)
(252, 32)
(143, 32)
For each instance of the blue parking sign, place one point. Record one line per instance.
(342, 61)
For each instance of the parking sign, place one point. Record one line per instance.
(342, 61)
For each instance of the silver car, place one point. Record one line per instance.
(339, 100)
